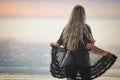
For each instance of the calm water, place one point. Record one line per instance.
(20, 43)
(49, 29)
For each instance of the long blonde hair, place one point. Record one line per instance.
(73, 32)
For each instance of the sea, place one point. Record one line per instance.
(25, 53)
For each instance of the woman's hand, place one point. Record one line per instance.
(54, 44)
(107, 54)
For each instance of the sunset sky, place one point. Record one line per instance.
(43, 20)
(58, 8)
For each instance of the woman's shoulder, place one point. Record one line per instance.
(88, 27)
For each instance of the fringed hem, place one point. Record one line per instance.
(102, 65)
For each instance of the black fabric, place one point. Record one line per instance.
(55, 69)
(81, 54)
(100, 67)
(86, 40)
(60, 40)
(72, 71)
(63, 56)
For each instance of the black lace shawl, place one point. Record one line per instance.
(97, 68)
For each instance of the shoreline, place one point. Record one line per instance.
(44, 77)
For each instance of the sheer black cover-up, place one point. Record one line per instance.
(99, 67)
(84, 57)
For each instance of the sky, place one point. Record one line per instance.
(43, 20)
(58, 8)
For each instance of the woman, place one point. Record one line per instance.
(77, 37)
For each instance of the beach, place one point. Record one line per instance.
(43, 77)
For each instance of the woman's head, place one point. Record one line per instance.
(78, 14)
(73, 33)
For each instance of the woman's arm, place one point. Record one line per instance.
(59, 41)
(95, 48)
